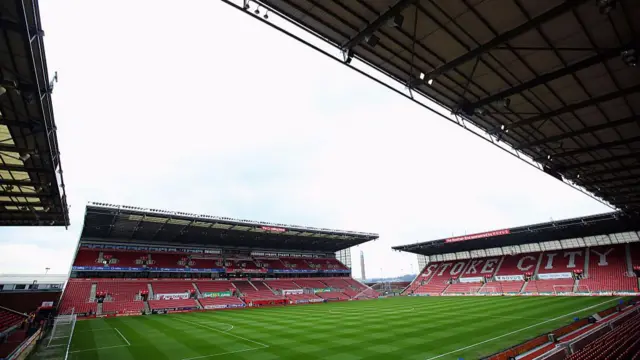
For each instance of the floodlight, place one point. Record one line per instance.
(430, 82)
(480, 111)
(506, 102)
(396, 21)
(372, 40)
(25, 156)
(605, 6)
(630, 57)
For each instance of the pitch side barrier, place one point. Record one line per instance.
(551, 337)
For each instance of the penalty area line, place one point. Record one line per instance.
(100, 348)
(519, 330)
(223, 353)
(123, 338)
(224, 332)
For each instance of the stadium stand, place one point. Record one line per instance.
(122, 296)
(251, 265)
(221, 302)
(618, 343)
(310, 284)
(608, 271)
(86, 258)
(550, 286)
(464, 288)
(172, 287)
(9, 318)
(283, 285)
(548, 258)
(187, 304)
(76, 297)
(214, 286)
(270, 263)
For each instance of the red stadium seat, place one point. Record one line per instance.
(608, 271)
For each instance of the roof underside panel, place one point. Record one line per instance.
(556, 79)
(31, 182)
(575, 228)
(123, 224)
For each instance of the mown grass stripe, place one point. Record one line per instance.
(405, 328)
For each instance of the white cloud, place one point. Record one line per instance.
(199, 108)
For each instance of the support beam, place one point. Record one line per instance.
(18, 27)
(569, 108)
(12, 148)
(613, 171)
(600, 161)
(25, 169)
(551, 14)
(608, 180)
(587, 130)
(545, 78)
(602, 146)
(32, 125)
(6, 215)
(27, 195)
(377, 23)
(621, 186)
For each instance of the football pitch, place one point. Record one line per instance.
(393, 328)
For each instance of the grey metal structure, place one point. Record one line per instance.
(554, 82)
(32, 188)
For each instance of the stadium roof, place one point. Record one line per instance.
(32, 188)
(128, 224)
(554, 80)
(601, 224)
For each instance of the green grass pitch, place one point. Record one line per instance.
(394, 328)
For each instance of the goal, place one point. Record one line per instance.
(62, 332)
(564, 289)
(487, 290)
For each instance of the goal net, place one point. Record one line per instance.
(562, 289)
(62, 333)
(487, 290)
(371, 292)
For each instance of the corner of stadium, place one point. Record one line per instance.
(554, 83)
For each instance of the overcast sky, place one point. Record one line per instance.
(200, 108)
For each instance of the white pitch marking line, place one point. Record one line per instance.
(100, 348)
(223, 332)
(92, 330)
(517, 331)
(224, 353)
(123, 338)
(218, 322)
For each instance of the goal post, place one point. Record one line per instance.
(487, 290)
(62, 333)
(562, 289)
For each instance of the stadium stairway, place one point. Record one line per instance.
(99, 309)
(250, 283)
(266, 284)
(92, 293)
(197, 290)
(147, 309)
(150, 288)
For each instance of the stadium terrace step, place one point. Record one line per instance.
(463, 288)
(99, 309)
(9, 319)
(92, 293)
(76, 297)
(608, 271)
(221, 302)
(311, 284)
(173, 304)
